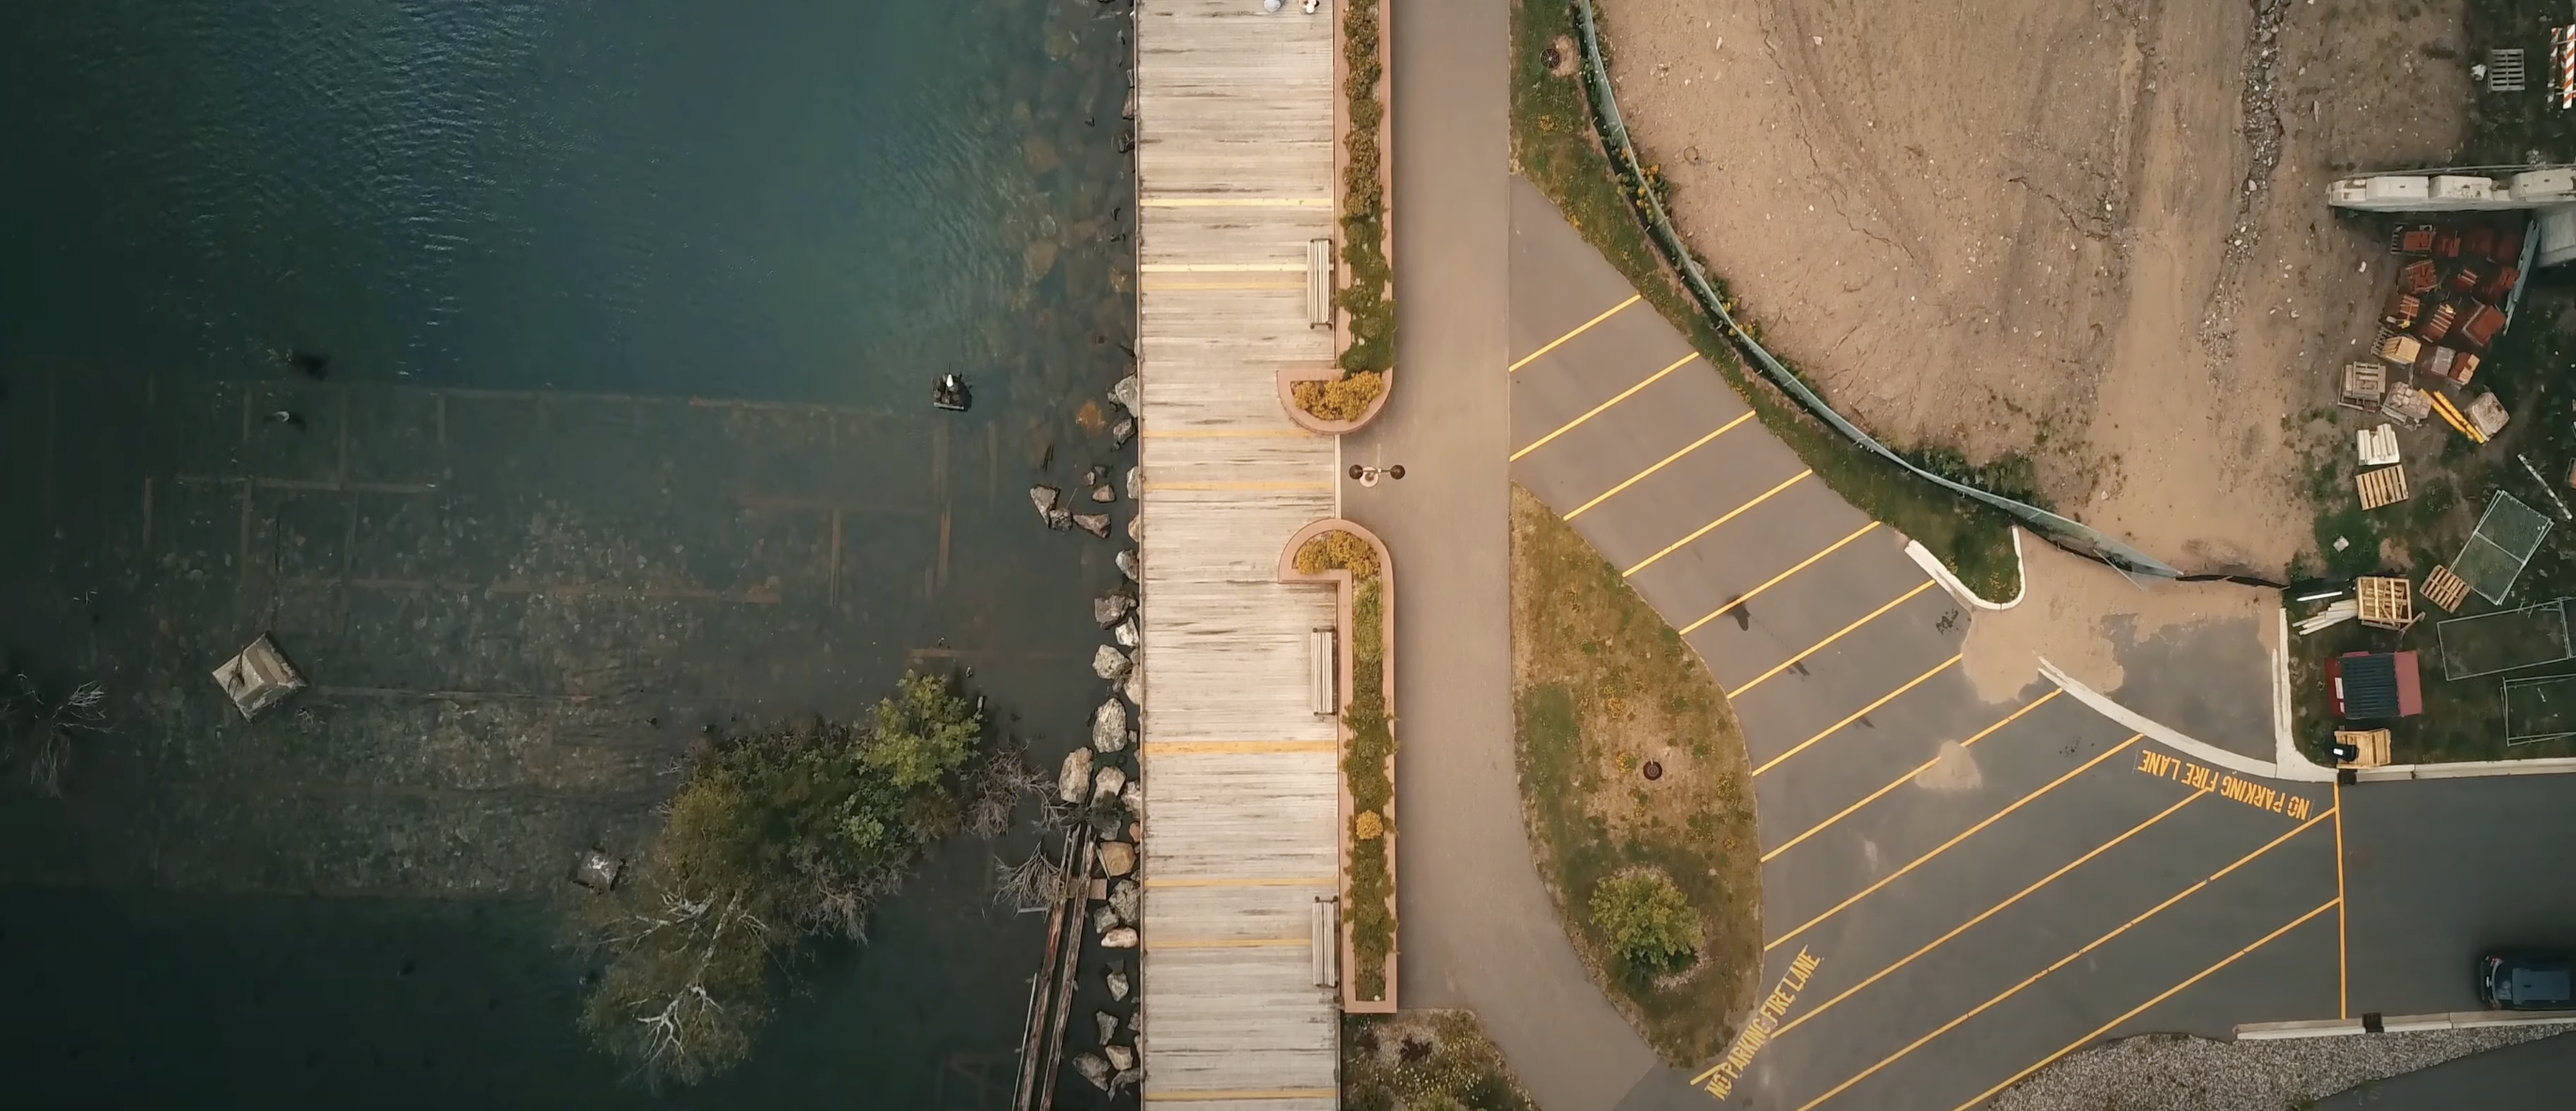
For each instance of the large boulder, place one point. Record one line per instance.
(1118, 985)
(1075, 777)
(1127, 634)
(1059, 519)
(1097, 524)
(1107, 782)
(1109, 726)
(1122, 1058)
(1117, 858)
(1124, 937)
(1128, 566)
(1110, 609)
(1104, 918)
(1129, 393)
(1107, 1024)
(1109, 663)
(1046, 498)
(1127, 898)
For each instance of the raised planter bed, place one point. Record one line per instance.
(1365, 200)
(1367, 745)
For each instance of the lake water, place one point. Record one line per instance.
(631, 312)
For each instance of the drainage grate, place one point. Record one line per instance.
(2504, 71)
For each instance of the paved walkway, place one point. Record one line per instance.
(1234, 173)
(1955, 891)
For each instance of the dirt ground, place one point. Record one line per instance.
(2047, 227)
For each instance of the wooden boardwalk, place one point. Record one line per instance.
(1235, 168)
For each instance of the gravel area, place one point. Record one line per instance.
(2161, 1072)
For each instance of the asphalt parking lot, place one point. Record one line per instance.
(2439, 871)
(1956, 892)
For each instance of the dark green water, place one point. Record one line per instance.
(631, 310)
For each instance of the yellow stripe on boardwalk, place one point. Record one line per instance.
(1223, 433)
(1597, 410)
(1153, 486)
(1229, 942)
(1235, 202)
(1704, 530)
(1640, 476)
(1821, 645)
(1222, 268)
(1243, 1093)
(1559, 341)
(1163, 285)
(1232, 748)
(1248, 881)
(1775, 580)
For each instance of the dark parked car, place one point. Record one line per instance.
(2525, 981)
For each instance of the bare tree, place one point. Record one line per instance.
(47, 727)
(687, 1007)
(1037, 883)
(1001, 780)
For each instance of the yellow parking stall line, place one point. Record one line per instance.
(1908, 777)
(1640, 476)
(2343, 913)
(2168, 993)
(1856, 715)
(1232, 748)
(1821, 645)
(1775, 580)
(2071, 958)
(1998, 908)
(1729, 515)
(1945, 846)
(1222, 268)
(1559, 341)
(1244, 881)
(1214, 1095)
(1235, 202)
(1597, 410)
(1229, 942)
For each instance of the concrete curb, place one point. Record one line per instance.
(1940, 573)
(2467, 769)
(2203, 751)
(2397, 1024)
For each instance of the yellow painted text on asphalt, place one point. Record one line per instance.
(2257, 795)
(1720, 1081)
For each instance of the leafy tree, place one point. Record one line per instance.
(1647, 920)
(773, 838)
(923, 733)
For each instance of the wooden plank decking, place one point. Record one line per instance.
(1234, 167)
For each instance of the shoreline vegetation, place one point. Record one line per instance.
(1367, 361)
(1555, 147)
(1425, 1061)
(1637, 791)
(1371, 896)
(775, 839)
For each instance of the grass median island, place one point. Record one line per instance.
(1553, 145)
(1425, 1061)
(1659, 880)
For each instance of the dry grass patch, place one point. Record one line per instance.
(1425, 1061)
(1603, 687)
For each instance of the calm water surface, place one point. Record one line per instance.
(572, 216)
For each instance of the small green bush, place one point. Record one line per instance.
(1648, 921)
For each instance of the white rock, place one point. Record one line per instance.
(1120, 1057)
(1109, 726)
(1106, 783)
(1108, 1026)
(1127, 634)
(1093, 1069)
(1135, 481)
(1110, 609)
(1119, 985)
(1136, 526)
(1075, 777)
(1124, 937)
(1134, 797)
(1128, 392)
(1104, 918)
(1128, 899)
(1127, 564)
(1109, 663)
